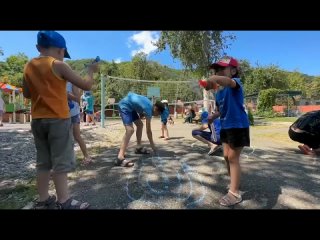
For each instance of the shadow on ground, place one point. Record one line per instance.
(185, 177)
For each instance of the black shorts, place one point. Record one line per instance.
(312, 141)
(235, 137)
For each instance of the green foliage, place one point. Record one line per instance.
(266, 99)
(266, 114)
(262, 78)
(195, 49)
(11, 70)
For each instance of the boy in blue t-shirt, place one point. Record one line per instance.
(132, 108)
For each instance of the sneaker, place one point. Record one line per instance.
(214, 150)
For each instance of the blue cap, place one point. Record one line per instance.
(52, 39)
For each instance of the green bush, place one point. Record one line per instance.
(266, 114)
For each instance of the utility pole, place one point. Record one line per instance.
(103, 98)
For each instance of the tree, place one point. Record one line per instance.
(12, 69)
(267, 99)
(262, 78)
(314, 88)
(195, 49)
(1, 52)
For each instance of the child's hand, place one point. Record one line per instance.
(94, 67)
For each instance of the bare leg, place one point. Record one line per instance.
(61, 183)
(165, 132)
(139, 125)
(125, 140)
(201, 139)
(78, 138)
(43, 178)
(235, 170)
(225, 155)
(162, 131)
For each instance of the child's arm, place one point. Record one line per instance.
(25, 88)
(75, 94)
(221, 80)
(149, 134)
(63, 70)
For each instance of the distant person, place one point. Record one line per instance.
(2, 110)
(88, 98)
(211, 137)
(44, 81)
(306, 130)
(83, 107)
(74, 97)
(132, 108)
(190, 114)
(164, 120)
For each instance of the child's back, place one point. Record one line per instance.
(48, 91)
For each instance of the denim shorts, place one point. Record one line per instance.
(128, 117)
(75, 119)
(54, 144)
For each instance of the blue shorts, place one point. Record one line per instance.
(89, 112)
(75, 119)
(128, 117)
(205, 135)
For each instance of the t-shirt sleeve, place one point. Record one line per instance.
(148, 111)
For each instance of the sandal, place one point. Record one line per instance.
(123, 163)
(73, 204)
(161, 137)
(141, 150)
(230, 199)
(50, 203)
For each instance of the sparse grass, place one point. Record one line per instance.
(280, 119)
(18, 196)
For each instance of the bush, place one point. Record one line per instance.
(266, 114)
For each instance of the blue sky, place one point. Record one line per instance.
(290, 50)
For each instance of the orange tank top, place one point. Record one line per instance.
(48, 91)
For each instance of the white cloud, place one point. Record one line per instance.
(118, 60)
(144, 41)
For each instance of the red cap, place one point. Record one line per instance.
(202, 83)
(225, 62)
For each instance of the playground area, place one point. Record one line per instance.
(275, 175)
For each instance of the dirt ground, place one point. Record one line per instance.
(182, 176)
